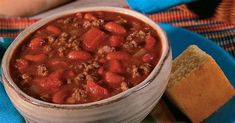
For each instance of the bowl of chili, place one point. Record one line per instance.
(90, 64)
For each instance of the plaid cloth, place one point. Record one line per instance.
(220, 32)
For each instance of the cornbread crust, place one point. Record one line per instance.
(201, 88)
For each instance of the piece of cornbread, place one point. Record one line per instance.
(197, 86)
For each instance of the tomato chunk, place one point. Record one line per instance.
(58, 62)
(41, 82)
(113, 79)
(60, 96)
(90, 16)
(35, 43)
(96, 91)
(92, 38)
(116, 66)
(118, 55)
(69, 74)
(79, 55)
(149, 42)
(115, 28)
(148, 57)
(101, 70)
(53, 29)
(36, 58)
(115, 40)
(55, 79)
(79, 15)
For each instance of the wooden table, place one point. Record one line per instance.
(82, 3)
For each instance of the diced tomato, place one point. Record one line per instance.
(119, 55)
(99, 13)
(41, 82)
(36, 43)
(115, 28)
(97, 92)
(55, 79)
(116, 66)
(79, 55)
(114, 80)
(102, 60)
(101, 70)
(92, 38)
(136, 25)
(22, 65)
(36, 58)
(53, 29)
(79, 15)
(58, 62)
(149, 42)
(60, 96)
(115, 40)
(69, 74)
(90, 16)
(52, 82)
(148, 57)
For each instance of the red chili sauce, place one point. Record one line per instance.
(85, 57)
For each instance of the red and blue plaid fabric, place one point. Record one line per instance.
(220, 32)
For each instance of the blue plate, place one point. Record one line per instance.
(180, 39)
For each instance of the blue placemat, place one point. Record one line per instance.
(180, 39)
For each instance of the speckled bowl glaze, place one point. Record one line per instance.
(131, 106)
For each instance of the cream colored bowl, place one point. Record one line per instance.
(131, 106)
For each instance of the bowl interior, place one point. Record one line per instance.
(37, 25)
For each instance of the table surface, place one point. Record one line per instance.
(81, 3)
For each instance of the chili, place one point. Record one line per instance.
(85, 57)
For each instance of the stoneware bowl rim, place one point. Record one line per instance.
(8, 54)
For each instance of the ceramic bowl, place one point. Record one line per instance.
(132, 105)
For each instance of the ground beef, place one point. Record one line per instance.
(121, 20)
(93, 77)
(135, 71)
(68, 20)
(26, 77)
(61, 51)
(90, 65)
(96, 64)
(106, 49)
(124, 86)
(86, 24)
(72, 38)
(75, 97)
(74, 45)
(51, 39)
(131, 44)
(80, 77)
(146, 68)
(42, 70)
(47, 48)
(97, 23)
(140, 35)
(64, 34)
